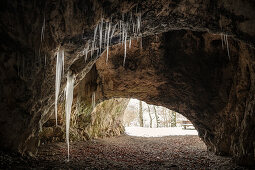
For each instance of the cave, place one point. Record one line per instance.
(193, 57)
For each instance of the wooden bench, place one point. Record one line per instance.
(186, 125)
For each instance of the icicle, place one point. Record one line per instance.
(120, 30)
(93, 100)
(131, 18)
(134, 29)
(68, 106)
(95, 34)
(113, 30)
(43, 29)
(125, 49)
(227, 47)
(224, 37)
(139, 22)
(45, 60)
(221, 35)
(123, 34)
(141, 43)
(94, 41)
(107, 46)
(130, 42)
(59, 67)
(101, 34)
(105, 33)
(86, 53)
(92, 49)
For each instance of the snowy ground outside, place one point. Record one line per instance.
(158, 132)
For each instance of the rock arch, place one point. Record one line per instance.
(185, 70)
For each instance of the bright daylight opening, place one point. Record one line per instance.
(144, 120)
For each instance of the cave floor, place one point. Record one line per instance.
(123, 152)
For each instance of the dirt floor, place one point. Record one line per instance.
(124, 152)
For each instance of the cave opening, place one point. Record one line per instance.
(144, 120)
(84, 59)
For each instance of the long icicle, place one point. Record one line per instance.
(105, 33)
(221, 35)
(101, 34)
(59, 67)
(94, 41)
(227, 47)
(113, 30)
(86, 53)
(108, 37)
(125, 46)
(123, 34)
(43, 30)
(68, 106)
(93, 100)
(130, 41)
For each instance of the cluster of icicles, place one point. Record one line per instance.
(224, 40)
(68, 93)
(99, 42)
(106, 30)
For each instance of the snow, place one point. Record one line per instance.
(158, 132)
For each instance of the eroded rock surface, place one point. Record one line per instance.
(191, 73)
(185, 71)
(87, 123)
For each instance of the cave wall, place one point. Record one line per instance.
(105, 120)
(27, 67)
(191, 73)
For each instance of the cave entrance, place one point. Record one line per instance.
(145, 120)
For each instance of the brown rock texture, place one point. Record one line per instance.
(185, 69)
(86, 123)
(191, 73)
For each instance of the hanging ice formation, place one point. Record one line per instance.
(59, 68)
(221, 35)
(105, 33)
(94, 41)
(107, 43)
(227, 47)
(43, 29)
(113, 30)
(68, 106)
(129, 23)
(101, 34)
(86, 50)
(225, 40)
(93, 100)
(125, 46)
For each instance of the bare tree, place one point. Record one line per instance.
(156, 116)
(173, 120)
(150, 116)
(140, 113)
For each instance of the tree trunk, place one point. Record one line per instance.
(156, 116)
(173, 122)
(140, 114)
(150, 116)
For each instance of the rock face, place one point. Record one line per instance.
(191, 73)
(103, 121)
(183, 67)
